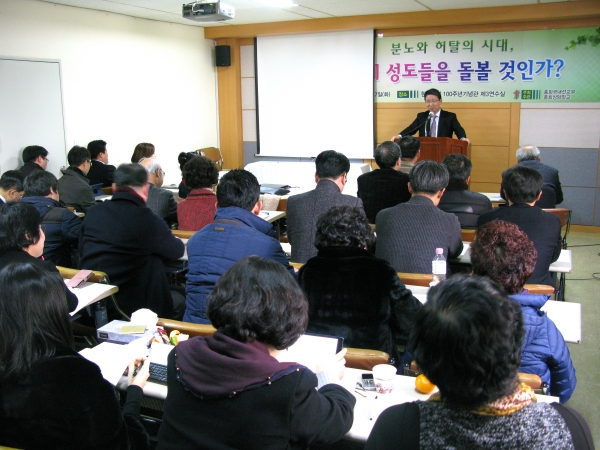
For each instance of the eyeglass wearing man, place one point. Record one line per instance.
(434, 122)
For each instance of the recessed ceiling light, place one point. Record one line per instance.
(277, 3)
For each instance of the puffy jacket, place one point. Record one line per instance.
(235, 234)
(544, 350)
(62, 229)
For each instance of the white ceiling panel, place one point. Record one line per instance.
(248, 11)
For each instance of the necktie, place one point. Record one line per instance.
(433, 127)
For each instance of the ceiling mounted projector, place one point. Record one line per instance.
(208, 11)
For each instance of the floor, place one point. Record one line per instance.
(583, 286)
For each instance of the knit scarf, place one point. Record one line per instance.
(519, 399)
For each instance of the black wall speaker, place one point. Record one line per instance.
(223, 55)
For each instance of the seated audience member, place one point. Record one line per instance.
(386, 186)
(52, 397)
(129, 242)
(75, 189)
(503, 252)
(236, 232)
(22, 241)
(303, 210)
(160, 200)
(552, 195)
(183, 158)
(141, 151)
(409, 233)
(11, 186)
(229, 390)
(62, 226)
(457, 198)
(410, 147)
(34, 158)
(100, 171)
(522, 187)
(350, 292)
(198, 209)
(467, 341)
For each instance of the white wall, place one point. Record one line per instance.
(125, 80)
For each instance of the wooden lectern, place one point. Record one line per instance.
(436, 148)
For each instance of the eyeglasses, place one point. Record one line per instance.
(43, 228)
(43, 157)
(431, 102)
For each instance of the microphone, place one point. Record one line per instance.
(429, 118)
(419, 126)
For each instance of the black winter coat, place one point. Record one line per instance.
(353, 294)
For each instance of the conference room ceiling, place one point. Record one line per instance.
(249, 11)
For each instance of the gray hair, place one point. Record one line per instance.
(152, 166)
(527, 152)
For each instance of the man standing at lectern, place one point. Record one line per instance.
(434, 122)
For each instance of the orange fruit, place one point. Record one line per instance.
(423, 385)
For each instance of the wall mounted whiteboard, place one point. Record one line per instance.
(31, 112)
(315, 93)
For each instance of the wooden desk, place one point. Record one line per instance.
(367, 409)
(566, 316)
(562, 265)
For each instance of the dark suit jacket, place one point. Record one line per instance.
(466, 205)
(382, 188)
(163, 204)
(29, 167)
(101, 173)
(541, 227)
(303, 211)
(448, 124)
(129, 242)
(552, 194)
(409, 233)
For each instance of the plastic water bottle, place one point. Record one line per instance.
(438, 266)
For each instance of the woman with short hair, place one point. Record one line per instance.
(229, 390)
(503, 252)
(22, 239)
(350, 292)
(200, 205)
(50, 396)
(467, 340)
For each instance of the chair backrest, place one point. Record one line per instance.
(539, 289)
(270, 202)
(193, 329)
(282, 206)
(564, 215)
(416, 279)
(96, 277)
(365, 359)
(214, 154)
(183, 234)
(468, 235)
(530, 379)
